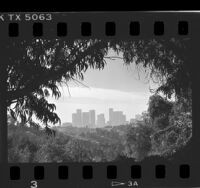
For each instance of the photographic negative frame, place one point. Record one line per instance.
(181, 171)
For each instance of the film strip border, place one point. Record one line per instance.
(86, 29)
(102, 175)
(97, 24)
(105, 26)
(111, 172)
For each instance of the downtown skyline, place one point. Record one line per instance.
(115, 86)
(91, 119)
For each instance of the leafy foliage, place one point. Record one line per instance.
(38, 67)
(167, 130)
(158, 106)
(35, 146)
(138, 142)
(176, 133)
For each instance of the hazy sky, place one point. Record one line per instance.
(116, 86)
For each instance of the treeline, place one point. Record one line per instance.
(26, 144)
(165, 128)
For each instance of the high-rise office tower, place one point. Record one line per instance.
(100, 120)
(119, 115)
(79, 117)
(116, 117)
(111, 116)
(86, 119)
(74, 119)
(92, 118)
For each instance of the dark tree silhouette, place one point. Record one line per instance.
(159, 110)
(158, 106)
(36, 69)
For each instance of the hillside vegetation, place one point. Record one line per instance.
(165, 129)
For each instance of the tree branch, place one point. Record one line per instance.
(51, 74)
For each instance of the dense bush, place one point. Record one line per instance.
(27, 144)
(51, 151)
(138, 142)
(165, 129)
(22, 145)
(177, 132)
(158, 106)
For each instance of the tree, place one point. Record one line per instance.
(38, 67)
(174, 128)
(146, 118)
(158, 106)
(159, 110)
(138, 143)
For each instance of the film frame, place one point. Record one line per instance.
(120, 25)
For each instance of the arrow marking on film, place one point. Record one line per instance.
(116, 183)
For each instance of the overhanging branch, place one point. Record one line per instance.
(51, 74)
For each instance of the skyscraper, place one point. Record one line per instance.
(74, 119)
(116, 117)
(79, 117)
(110, 116)
(92, 118)
(86, 119)
(89, 118)
(100, 120)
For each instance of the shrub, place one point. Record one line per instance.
(50, 151)
(21, 145)
(138, 142)
(16, 154)
(79, 151)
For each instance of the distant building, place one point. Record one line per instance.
(89, 118)
(92, 118)
(74, 119)
(101, 120)
(79, 117)
(86, 119)
(116, 117)
(108, 123)
(67, 124)
(111, 116)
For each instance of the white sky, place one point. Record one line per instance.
(116, 86)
